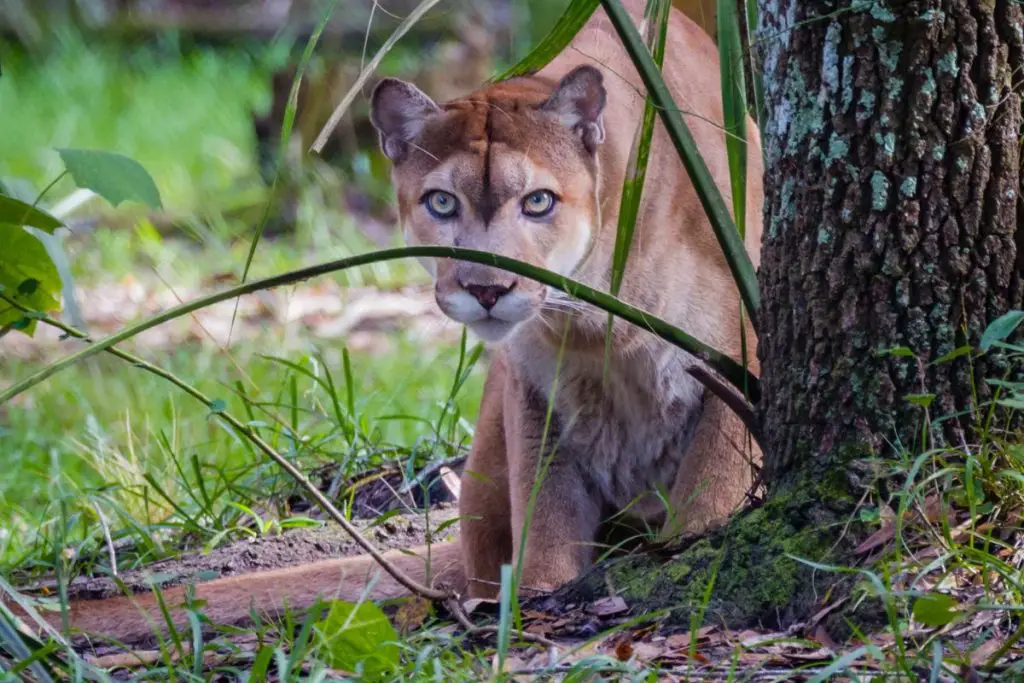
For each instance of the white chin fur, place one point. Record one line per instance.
(491, 329)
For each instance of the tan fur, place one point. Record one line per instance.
(647, 424)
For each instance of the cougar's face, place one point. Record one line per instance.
(509, 170)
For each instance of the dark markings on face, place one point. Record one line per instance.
(488, 202)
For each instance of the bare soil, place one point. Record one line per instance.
(290, 548)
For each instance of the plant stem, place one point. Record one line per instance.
(710, 198)
(724, 365)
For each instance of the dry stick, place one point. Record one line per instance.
(732, 398)
(431, 594)
(298, 476)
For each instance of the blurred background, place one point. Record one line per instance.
(196, 91)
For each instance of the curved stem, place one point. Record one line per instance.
(723, 364)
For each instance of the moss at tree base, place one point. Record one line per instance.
(757, 580)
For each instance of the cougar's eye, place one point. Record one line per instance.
(539, 204)
(441, 204)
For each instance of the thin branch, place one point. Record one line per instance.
(731, 398)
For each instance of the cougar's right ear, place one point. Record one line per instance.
(578, 101)
(398, 110)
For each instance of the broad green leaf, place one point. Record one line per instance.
(1001, 328)
(27, 276)
(740, 266)
(354, 636)
(112, 176)
(936, 609)
(17, 212)
(561, 34)
(734, 106)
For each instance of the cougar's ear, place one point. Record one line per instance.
(398, 110)
(578, 101)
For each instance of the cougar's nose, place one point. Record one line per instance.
(488, 295)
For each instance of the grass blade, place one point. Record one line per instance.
(357, 87)
(636, 168)
(286, 134)
(730, 370)
(711, 199)
(755, 72)
(734, 106)
(560, 35)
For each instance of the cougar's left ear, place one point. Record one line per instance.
(578, 101)
(399, 110)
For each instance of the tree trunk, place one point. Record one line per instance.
(893, 188)
(892, 193)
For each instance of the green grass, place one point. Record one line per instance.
(107, 425)
(184, 116)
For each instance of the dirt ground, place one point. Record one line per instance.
(290, 548)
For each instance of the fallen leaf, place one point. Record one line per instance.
(411, 615)
(681, 641)
(606, 607)
(646, 652)
(623, 649)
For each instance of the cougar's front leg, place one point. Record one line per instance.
(484, 511)
(558, 543)
(715, 473)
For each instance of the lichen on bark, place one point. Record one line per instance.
(892, 196)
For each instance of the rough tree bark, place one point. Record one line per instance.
(893, 199)
(893, 143)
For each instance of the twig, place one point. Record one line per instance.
(298, 476)
(106, 536)
(731, 398)
(460, 616)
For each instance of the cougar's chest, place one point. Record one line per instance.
(627, 435)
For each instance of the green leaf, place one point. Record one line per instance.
(936, 609)
(354, 636)
(17, 212)
(636, 169)
(561, 34)
(952, 355)
(734, 106)
(1001, 328)
(898, 351)
(27, 276)
(923, 400)
(1012, 403)
(112, 176)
